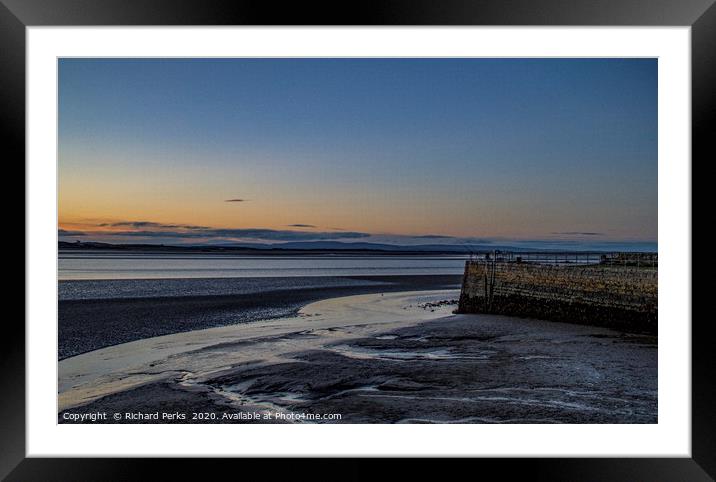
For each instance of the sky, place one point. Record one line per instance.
(405, 151)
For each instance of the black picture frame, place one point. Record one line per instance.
(16, 15)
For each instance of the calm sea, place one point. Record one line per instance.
(79, 265)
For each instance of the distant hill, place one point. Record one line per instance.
(302, 247)
(338, 247)
(364, 246)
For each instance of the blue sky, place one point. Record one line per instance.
(391, 149)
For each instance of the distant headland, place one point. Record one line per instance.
(305, 247)
(323, 247)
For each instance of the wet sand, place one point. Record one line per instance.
(94, 314)
(392, 358)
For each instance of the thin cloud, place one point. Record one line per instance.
(578, 233)
(237, 200)
(220, 233)
(298, 225)
(64, 232)
(151, 224)
(432, 236)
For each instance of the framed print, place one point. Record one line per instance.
(413, 231)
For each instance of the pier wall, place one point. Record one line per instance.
(619, 297)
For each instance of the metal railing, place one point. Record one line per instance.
(638, 259)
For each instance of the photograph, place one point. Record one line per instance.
(357, 240)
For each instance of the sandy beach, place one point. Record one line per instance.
(393, 357)
(94, 314)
